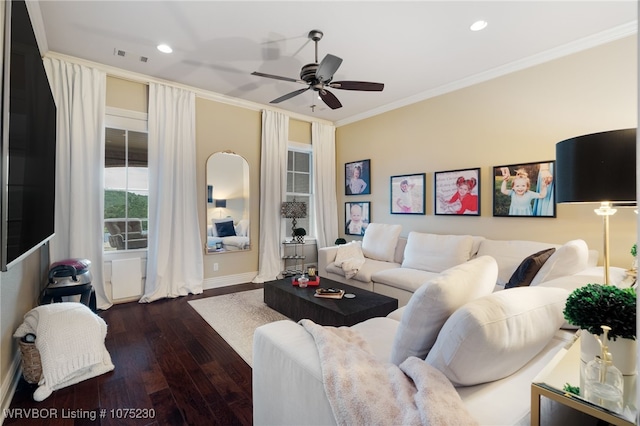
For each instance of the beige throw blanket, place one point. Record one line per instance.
(365, 391)
(70, 339)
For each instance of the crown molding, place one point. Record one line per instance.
(585, 43)
(204, 94)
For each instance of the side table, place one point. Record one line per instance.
(566, 367)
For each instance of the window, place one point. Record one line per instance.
(126, 189)
(299, 186)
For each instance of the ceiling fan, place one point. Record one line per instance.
(318, 77)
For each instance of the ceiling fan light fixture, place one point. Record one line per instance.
(164, 48)
(478, 25)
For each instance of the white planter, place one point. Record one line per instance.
(623, 351)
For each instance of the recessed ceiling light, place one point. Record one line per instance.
(165, 48)
(478, 25)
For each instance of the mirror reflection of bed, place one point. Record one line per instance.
(228, 225)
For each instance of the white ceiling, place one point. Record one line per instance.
(418, 49)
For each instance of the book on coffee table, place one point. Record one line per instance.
(329, 293)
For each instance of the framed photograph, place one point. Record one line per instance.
(356, 217)
(524, 190)
(357, 177)
(408, 194)
(457, 192)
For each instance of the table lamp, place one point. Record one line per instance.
(220, 204)
(598, 168)
(293, 210)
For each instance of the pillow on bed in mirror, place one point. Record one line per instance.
(214, 229)
(225, 229)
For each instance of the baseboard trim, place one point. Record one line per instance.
(9, 385)
(227, 280)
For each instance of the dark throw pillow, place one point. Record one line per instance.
(528, 269)
(225, 229)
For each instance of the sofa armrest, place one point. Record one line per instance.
(326, 256)
(287, 377)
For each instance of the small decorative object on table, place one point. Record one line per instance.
(329, 293)
(298, 235)
(594, 305)
(603, 382)
(311, 282)
(303, 281)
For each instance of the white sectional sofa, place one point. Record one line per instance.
(396, 266)
(460, 316)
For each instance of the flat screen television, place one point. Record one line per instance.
(28, 141)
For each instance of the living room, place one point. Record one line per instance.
(512, 119)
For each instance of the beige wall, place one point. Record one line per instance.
(513, 119)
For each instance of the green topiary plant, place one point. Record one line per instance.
(634, 250)
(594, 305)
(299, 232)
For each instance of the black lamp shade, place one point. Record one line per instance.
(597, 167)
(221, 203)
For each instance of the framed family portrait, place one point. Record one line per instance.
(408, 194)
(357, 177)
(524, 190)
(356, 217)
(457, 192)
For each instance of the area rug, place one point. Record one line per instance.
(236, 316)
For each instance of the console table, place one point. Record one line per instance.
(566, 367)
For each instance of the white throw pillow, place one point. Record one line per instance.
(435, 301)
(380, 240)
(494, 336)
(571, 258)
(435, 252)
(352, 250)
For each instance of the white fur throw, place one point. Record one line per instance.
(70, 339)
(349, 257)
(364, 391)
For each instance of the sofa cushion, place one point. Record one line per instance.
(494, 336)
(568, 259)
(435, 301)
(403, 278)
(380, 240)
(509, 254)
(434, 252)
(529, 268)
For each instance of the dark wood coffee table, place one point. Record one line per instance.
(298, 303)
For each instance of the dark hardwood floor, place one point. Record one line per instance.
(171, 367)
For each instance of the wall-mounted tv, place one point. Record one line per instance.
(28, 141)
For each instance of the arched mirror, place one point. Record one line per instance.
(227, 203)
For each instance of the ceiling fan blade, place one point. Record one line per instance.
(277, 77)
(329, 99)
(328, 66)
(357, 85)
(289, 95)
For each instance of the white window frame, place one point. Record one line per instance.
(286, 231)
(117, 118)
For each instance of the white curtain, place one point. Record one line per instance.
(324, 184)
(273, 183)
(174, 260)
(80, 95)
